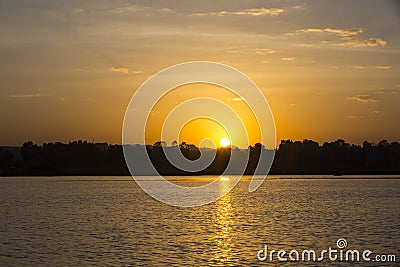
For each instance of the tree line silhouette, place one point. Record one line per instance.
(291, 157)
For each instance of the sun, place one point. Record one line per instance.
(224, 142)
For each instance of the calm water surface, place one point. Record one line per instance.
(59, 221)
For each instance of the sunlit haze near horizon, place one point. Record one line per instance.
(329, 69)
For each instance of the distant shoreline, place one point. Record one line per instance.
(212, 177)
(80, 158)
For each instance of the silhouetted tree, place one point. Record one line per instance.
(291, 157)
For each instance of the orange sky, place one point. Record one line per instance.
(329, 69)
(198, 129)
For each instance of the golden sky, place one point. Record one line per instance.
(329, 69)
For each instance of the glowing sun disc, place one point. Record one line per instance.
(224, 142)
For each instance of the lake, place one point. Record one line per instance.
(59, 221)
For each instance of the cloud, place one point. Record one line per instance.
(363, 67)
(288, 58)
(388, 91)
(121, 70)
(358, 42)
(347, 36)
(247, 12)
(130, 8)
(377, 112)
(137, 72)
(336, 31)
(363, 99)
(354, 117)
(312, 30)
(383, 67)
(359, 67)
(344, 32)
(264, 51)
(26, 95)
(166, 10)
(305, 45)
(299, 7)
(137, 8)
(237, 99)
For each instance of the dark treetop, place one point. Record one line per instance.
(306, 157)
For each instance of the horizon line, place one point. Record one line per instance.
(188, 143)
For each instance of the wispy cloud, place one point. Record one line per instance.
(299, 7)
(343, 32)
(264, 51)
(360, 67)
(288, 58)
(363, 67)
(359, 42)
(166, 10)
(247, 12)
(237, 99)
(383, 67)
(137, 72)
(305, 45)
(138, 8)
(26, 95)
(130, 8)
(120, 70)
(388, 91)
(377, 112)
(336, 31)
(354, 117)
(363, 99)
(346, 36)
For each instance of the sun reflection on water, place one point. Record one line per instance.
(223, 222)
